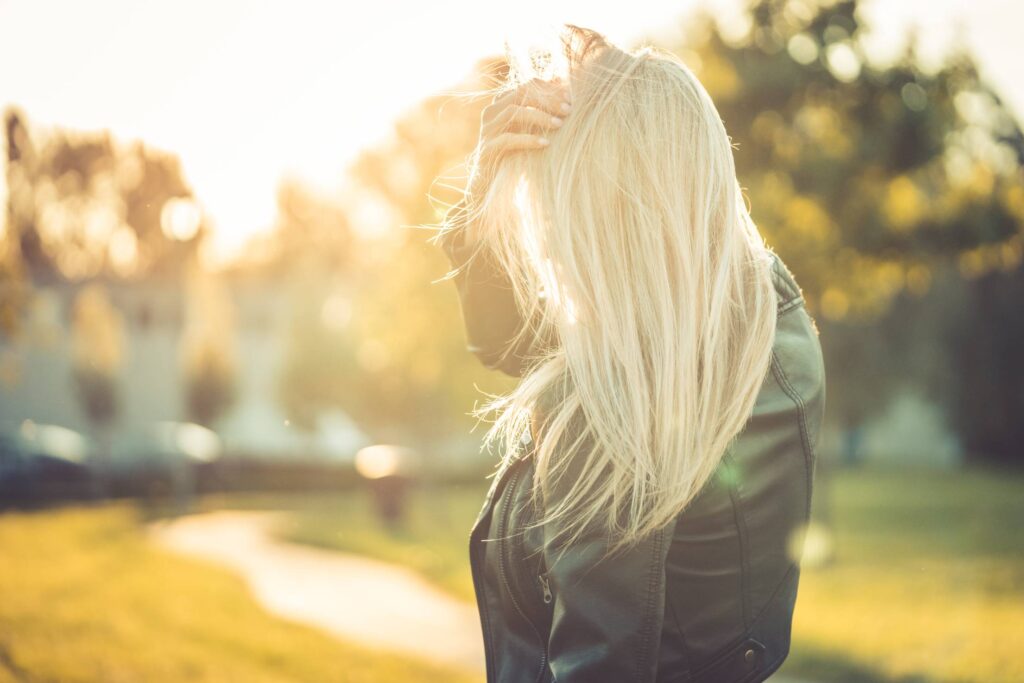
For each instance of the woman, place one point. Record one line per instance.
(645, 523)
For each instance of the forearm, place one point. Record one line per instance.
(490, 313)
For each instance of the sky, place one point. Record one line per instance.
(249, 93)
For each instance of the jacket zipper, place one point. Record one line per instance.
(546, 588)
(506, 513)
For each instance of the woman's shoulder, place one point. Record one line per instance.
(786, 288)
(797, 371)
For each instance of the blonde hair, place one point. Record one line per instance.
(645, 286)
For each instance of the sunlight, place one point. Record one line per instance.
(180, 219)
(245, 93)
(551, 288)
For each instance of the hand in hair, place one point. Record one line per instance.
(516, 120)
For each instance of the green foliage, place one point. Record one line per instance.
(397, 360)
(874, 182)
(986, 359)
(409, 323)
(863, 177)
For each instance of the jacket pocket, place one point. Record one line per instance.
(742, 662)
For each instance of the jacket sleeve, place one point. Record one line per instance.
(608, 611)
(492, 318)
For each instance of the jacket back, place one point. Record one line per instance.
(708, 598)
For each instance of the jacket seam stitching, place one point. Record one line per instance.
(484, 611)
(787, 306)
(682, 636)
(741, 529)
(727, 649)
(794, 395)
(649, 607)
(503, 560)
(774, 593)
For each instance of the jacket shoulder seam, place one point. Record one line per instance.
(790, 295)
(789, 305)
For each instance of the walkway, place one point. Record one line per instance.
(359, 600)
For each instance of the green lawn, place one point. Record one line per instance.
(85, 598)
(926, 583)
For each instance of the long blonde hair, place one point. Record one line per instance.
(628, 243)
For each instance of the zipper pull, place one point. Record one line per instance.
(546, 588)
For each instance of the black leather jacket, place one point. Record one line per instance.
(709, 598)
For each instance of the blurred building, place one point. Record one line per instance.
(36, 368)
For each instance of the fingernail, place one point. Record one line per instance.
(555, 121)
(543, 142)
(566, 107)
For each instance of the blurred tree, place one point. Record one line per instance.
(986, 354)
(310, 249)
(208, 351)
(14, 284)
(869, 179)
(80, 205)
(372, 333)
(863, 176)
(320, 364)
(411, 362)
(312, 231)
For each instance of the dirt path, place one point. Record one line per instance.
(360, 600)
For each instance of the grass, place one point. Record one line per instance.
(85, 598)
(926, 582)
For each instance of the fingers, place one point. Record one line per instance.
(491, 152)
(500, 146)
(514, 142)
(520, 120)
(549, 96)
(516, 118)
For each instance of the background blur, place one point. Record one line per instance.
(229, 380)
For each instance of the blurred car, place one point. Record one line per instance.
(265, 451)
(258, 429)
(42, 463)
(338, 437)
(163, 457)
